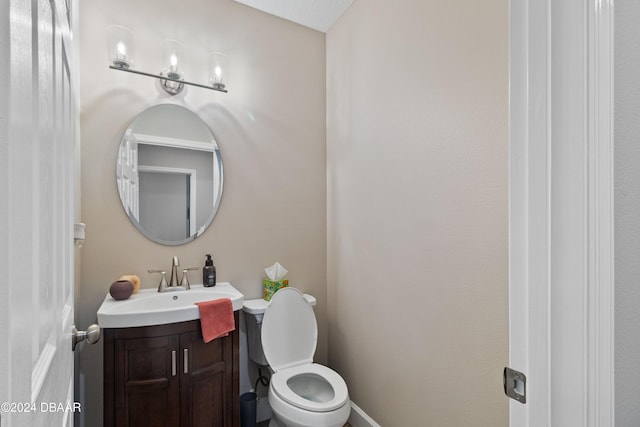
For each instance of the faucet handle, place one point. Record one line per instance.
(163, 280)
(185, 279)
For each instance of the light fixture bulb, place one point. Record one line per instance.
(218, 72)
(122, 51)
(173, 72)
(174, 60)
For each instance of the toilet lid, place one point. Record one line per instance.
(289, 330)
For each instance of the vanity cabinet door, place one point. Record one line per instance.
(166, 376)
(206, 382)
(147, 382)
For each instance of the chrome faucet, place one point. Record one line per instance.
(174, 272)
(173, 281)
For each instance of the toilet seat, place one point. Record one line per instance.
(280, 382)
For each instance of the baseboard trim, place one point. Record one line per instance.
(359, 418)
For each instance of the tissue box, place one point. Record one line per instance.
(270, 287)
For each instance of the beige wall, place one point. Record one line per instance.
(414, 186)
(417, 209)
(271, 131)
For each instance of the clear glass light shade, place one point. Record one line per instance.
(174, 59)
(121, 47)
(218, 70)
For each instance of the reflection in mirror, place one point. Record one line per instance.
(169, 174)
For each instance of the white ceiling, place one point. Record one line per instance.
(317, 14)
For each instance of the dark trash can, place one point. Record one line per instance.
(248, 408)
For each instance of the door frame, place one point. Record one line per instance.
(561, 252)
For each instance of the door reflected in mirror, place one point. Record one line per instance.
(169, 174)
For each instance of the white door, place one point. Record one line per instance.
(561, 212)
(37, 193)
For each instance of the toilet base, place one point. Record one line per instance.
(284, 415)
(273, 422)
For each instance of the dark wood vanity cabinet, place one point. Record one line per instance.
(167, 376)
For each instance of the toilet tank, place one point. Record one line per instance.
(253, 312)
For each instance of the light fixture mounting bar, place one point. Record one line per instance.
(160, 77)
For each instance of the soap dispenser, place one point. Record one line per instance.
(209, 273)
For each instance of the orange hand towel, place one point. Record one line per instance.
(216, 318)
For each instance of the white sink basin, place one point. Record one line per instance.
(149, 307)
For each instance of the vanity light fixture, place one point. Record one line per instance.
(122, 51)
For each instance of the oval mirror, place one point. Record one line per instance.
(169, 174)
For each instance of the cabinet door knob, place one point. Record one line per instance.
(173, 363)
(186, 360)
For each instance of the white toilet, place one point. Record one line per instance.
(301, 393)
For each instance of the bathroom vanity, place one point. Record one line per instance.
(157, 369)
(166, 375)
